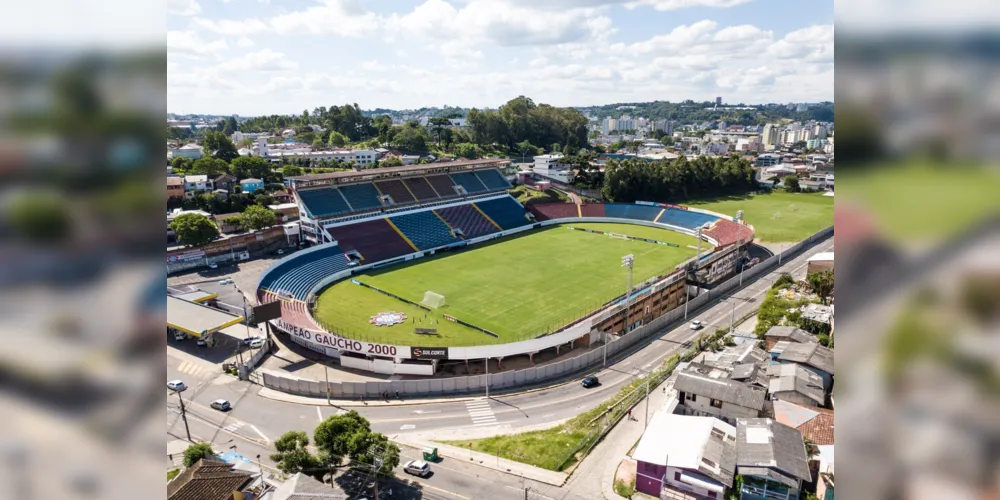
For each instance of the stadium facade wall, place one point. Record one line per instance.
(517, 378)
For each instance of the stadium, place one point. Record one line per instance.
(419, 266)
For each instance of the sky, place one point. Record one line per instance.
(254, 57)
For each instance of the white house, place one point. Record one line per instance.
(692, 454)
(708, 392)
(191, 150)
(549, 166)
(196, 184)
(288, 132)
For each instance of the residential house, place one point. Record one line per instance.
(820, 262)
(228, 227)
(286, 212)
(288, 133)
(771, 457)
(303, 487)
(813, 357)
(208, 480)
(196, 184)
(225, 181)
(696, 455)
(251, 185)
(787, 334)
(707, 392)
(409, 159)
(746, 353)
(824, 483)
(794, 383)
(192, 151)
(283, 197)
(175, 187)
(815, 424)
(819, 313)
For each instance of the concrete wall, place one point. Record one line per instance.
(577, 365)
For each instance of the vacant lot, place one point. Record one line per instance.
(518, 287)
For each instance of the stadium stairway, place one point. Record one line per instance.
(505, 212)
(468, 219)
(323, 202)
(420, 188)
(443, 185)
(361, 196)
(425, 229)
(469, 181)
(375, 240)
(492, 179)
(396, 190)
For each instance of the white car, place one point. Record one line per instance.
(256, 343)
(202, 343)
(179, 335)
(281, 252)
(697, 325)
(176, 385)
(221, 405)
(417, 468)
(213, 266)
(226, 281)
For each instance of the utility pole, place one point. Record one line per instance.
(184, 416)
(605, 348)
(646, 422)
(732, 321)
(629, 262)
(739, 235)
(697, 258)
(327, 369)
(487, 378)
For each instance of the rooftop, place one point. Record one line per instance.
(207, 480)
(822, 256)
(729, 391)
(795, 378)
(815, 424)
(705, 444)
(400, 169)
(813, 355)
(197, 319)
(195, 178)
(771, 449)
(303, 487)
(792, 334)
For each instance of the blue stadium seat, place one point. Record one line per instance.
(468, 219)
(506, 212)
(630, 211)
(469, 181)
(424, 229)
(686, 219)
(323, 202)
(361, 196)
(301, 273)
(492, 179)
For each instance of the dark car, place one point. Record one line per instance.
(590, 381)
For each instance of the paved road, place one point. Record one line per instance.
(255, 421)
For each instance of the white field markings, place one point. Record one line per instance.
(191, 368)
(480, 412)
(319, 414)
(407, 427)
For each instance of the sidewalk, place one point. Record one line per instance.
(420, 441)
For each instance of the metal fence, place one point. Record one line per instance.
(536, 374)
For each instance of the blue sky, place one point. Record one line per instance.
(253, 57)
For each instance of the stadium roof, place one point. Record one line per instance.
(404, 168)
(196, 319)
(197, 296)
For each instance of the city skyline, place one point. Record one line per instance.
(251, 58)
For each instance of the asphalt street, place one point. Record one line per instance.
(255, 421)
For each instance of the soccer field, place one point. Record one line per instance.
(518, 287)
(778, 217)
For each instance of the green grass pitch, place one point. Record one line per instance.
(778, 217)
(518, 287)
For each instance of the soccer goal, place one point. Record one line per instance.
(619, 236)
(434, 300)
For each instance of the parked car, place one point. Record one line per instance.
(417, 468)
(213, 266)
(201, 343)
(256, 343)
(590, 381)
(221, 405)
(281, 252)
(249, 340)
(179, 335)
(226, 281)
(176, 385)
(697, 325)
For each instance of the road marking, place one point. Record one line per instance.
(191, 368)
(261, 434)
(319, 414)
(233, 427)
(421, 412)
(549, 415)
(425, 485)
(407, 427)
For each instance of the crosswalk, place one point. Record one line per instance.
(233, 427)
(196, 370)
(480, 412)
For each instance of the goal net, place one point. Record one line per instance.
(618, 236)
(434, 300)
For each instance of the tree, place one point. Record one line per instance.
(337, 140)
(391, 161)
(256, 217)
(290, 171)
(194, 229)
(292, 455)
(342, 436)
(467, 150)
(212, 167)
(246, 167)
(388, 454)
(40, 218)
(246, 142)
(196, 452)
(181, 163)
(525, 147)
(791, 183)
(411, 137)
(220, 145)
(438, 125)
(821, 283)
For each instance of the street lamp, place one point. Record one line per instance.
(184, 415)
(629, 262)
(739, 235)
(697, 259)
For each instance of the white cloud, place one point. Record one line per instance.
(190, 44)
(183, 7)
(813, 44)
(229, 27)
(245, 43)
(263, 60)
(665, 5)
(330, 17)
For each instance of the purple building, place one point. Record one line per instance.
(696, 455)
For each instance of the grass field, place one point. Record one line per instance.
(518, 287)
(778, 217)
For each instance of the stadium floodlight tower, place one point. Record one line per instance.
(629, 262)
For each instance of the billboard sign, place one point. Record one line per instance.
(186, 256)
(265, 312)
(429, 352)
(325, 339)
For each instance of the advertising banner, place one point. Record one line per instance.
(429, 352)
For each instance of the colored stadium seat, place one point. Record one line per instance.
(685, 219)
(323, 202)
(506, 212)
(424, 229)
(727, 232)
(468, 219)
(300, 274)
(547, 211)
(592, 209)
(469, 181)
(492, 179)
(443, 185)
(395, 189)
(420, 188)
(630, 211)
(361, 196)
(375, 240)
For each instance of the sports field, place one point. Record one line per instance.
(778, 217)
(518, 287)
